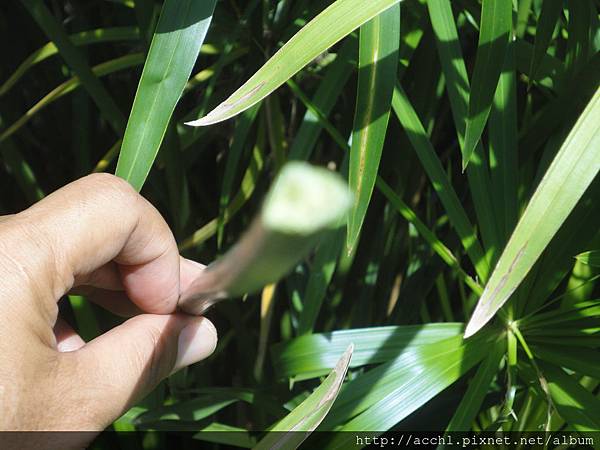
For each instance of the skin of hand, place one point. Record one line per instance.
(97, 236)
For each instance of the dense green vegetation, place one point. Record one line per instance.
(469, 133)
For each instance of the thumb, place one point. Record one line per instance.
(124, 364)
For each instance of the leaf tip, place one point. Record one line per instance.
(202, 122)
(342, 365)
(465, 162)
(471, 329)
(349, 248)
(477, 321)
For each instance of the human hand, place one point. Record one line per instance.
(100, 234)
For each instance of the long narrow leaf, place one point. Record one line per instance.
(96, 36)
(496, 22)
(175, 46)
(315, 354)
(53, 29)
(443, 251)
(478, 387)
(457, 85)
(105, 68)
(458, 217)
(320, 276)
(324, 99)
(503, 146)
(335, 22)
(378, 62)
(396, 201)
(575, 404)
(387, 394)
(292, 430)
(549, 15)
(567, 178)
(577, 359)
(235, 153)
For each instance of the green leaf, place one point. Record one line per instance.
(550, 71)
(221, 433)
(206, 402)
(53, 29)
(194, 410)
(571, 172)
(578, 28)
(175, 46)
(574, 236)
(457, 85)
(470, 404)
(96, 36)
(393, 198)
(324, 99)
(384, 396)
(549, 15)
(577, 359)
(235, 153)
(331, 25)
(378, 63)
(312, 355)
(321, 272)
(439, 179)
(561, 113)
(560, 316)
(591, 258)
(20, 169)
(496, 22)
(105, 68)
(247, 188)
(574, 403)
(293, 429)
(503, 138)
(444, 252)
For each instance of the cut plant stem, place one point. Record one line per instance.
(304, 202)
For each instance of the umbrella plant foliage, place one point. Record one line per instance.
(462, 265)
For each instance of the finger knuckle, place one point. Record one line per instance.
(110, 185)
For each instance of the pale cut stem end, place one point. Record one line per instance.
(303, 203)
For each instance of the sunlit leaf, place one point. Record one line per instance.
(377, 66)
(335, 22)
(567, 178)
(293, 429)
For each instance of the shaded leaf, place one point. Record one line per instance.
(495, 28)
(470, 404)
(175, 46)
(549, 15)
(77, 62)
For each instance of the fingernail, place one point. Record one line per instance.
(194, 264)
(190, 270)
(196, 342)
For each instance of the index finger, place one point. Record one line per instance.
(86, 224)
